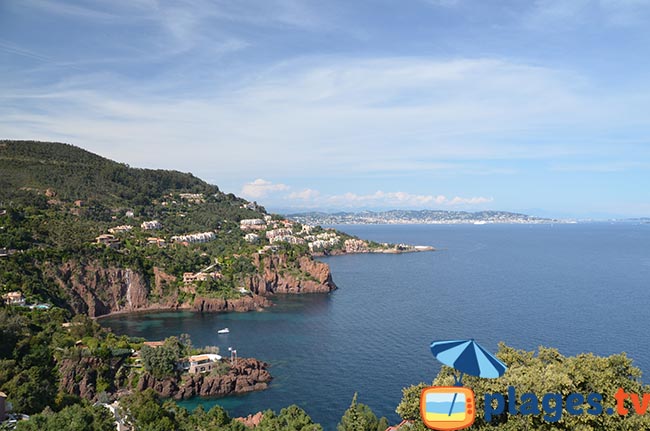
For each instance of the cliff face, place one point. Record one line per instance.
(248, 375)
(277, 275)
(80, 376)
(96, 290)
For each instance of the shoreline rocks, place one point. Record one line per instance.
(248, 375)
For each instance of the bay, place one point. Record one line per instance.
(579, 288)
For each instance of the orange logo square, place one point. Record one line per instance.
(447, 407)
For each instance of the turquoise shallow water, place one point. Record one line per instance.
(576, 287)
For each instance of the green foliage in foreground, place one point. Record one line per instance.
(359, 417)
(546, 372)
(146, 412)
(78, 417)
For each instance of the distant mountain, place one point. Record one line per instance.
(415, 217)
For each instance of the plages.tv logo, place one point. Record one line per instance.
(454, 407)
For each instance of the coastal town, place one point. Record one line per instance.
(419, 217)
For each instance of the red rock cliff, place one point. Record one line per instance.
(96, 290)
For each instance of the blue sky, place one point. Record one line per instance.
(536, 106)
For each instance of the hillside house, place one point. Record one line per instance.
(251, 237)
(108, 240)
(14, 298)
(121, 229)
(151, 225)
(194, 237)
(153, 344)
(160, 242)
(278, 232)
(252, 224)
(199, 363)
(195, 198)
(191, 277)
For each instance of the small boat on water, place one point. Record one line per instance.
(223, 331)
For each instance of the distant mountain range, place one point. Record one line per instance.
(417, 217)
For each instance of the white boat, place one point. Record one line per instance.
(223, 331)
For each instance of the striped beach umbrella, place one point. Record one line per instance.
(468, 357)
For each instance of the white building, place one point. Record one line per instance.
(251, 237)
(151, 225)
(252, 224)
(195, 237)
(120, 229)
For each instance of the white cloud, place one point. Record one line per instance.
(336, 115)
(382, 199)
(261, 188)
(310, 198)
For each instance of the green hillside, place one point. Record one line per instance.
(74, 173)
(57, 201)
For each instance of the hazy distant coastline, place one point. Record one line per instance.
(420, 217)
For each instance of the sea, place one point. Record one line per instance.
(577, 287)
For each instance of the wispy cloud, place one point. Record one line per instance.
(261, 188)
(328, 113)
(281, 194)
(401, 200)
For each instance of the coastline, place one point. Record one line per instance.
(410, 249)
(257, 302)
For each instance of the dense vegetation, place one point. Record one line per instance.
(55, 199)
(35, 343)
(546, 372)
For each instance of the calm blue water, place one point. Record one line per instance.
(579, 288)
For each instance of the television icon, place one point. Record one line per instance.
(447, 407)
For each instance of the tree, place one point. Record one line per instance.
(78, 417)
(359, 417)
(292, 418)
(161, 361)
(547, 372)
(145, 412)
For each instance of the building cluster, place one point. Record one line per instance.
(151, 225)
(252, 224)
(282, 231)
(355, 246)
(194, 237)
(323, 241)
(121, 229)
(195, 198)
(192, 277)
